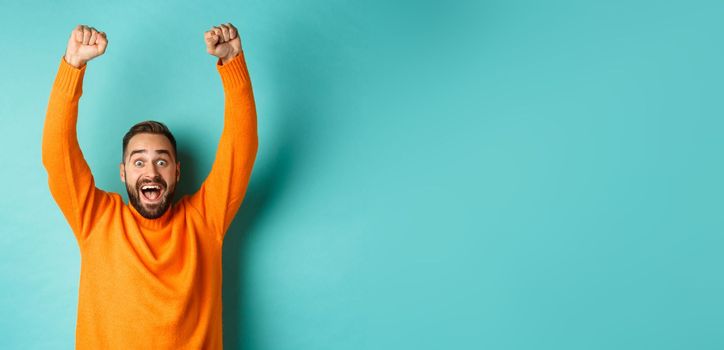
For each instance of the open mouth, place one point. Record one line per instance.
(151, 192)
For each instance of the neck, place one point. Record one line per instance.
(153, 224)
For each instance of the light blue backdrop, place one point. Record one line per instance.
(470, 175)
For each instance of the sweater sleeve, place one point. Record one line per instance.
(222, 192)
(69, 177)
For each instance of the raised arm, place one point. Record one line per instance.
(69, 177)
(222, 192)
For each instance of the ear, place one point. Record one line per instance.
(178, 171)
(123, 173)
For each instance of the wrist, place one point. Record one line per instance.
(227, 59)
(74, 61)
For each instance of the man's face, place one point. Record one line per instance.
(150, 171)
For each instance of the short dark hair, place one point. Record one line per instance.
(148, 127)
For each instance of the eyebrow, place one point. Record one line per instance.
(160, 151)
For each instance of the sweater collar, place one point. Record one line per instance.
(153, 224)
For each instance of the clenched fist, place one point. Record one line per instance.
(223, 42)
(85, 44)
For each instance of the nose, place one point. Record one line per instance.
(153, 171)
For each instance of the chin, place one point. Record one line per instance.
(150, 210)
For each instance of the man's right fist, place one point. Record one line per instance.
(85, 44)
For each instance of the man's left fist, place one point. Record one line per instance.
(223, 42)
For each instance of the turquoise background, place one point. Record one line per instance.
(464, 175)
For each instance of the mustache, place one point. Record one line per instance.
(155, 180)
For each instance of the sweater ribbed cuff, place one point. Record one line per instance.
(69, 79)
(234, 73)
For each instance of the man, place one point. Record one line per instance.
(150, 269)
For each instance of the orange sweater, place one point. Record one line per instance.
(150, 284)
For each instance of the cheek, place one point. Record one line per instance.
(131, 177)
(169, 175)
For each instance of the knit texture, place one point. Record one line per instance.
(150, 284)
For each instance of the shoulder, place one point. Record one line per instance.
(184, 205)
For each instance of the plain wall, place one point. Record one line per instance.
(431, 175)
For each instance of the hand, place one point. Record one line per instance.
(85, 44)
(223, 42)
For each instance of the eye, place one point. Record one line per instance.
(138, 163)
(162, 162)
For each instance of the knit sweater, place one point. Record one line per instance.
(150, 284)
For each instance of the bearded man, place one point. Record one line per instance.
(151, 269)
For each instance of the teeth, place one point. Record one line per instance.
(151, 187)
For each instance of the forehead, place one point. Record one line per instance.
(149, 142)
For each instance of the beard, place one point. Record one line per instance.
(154, 210)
